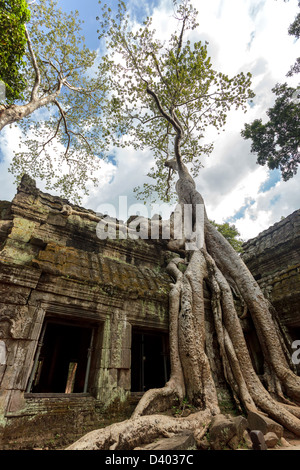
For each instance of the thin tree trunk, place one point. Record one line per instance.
(15, 113)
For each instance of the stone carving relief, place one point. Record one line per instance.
(14, 322)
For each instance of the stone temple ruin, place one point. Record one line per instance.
(84, 321)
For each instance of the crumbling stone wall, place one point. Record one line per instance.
(273, 258)
(53, 264)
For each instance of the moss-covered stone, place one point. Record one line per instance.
(273, 258)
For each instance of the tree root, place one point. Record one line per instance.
(155, 398)
(232, 341)
(133, 433)
(239, 372)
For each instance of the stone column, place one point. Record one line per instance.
(20, 343)
(114, 377)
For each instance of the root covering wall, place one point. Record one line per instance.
(55, 270)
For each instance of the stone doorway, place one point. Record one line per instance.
(62, 362)
(150, 365)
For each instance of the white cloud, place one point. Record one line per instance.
(11, 142)
(8, 144)
(280, 201)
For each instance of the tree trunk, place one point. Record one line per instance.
(14, 113)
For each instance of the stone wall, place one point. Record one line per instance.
(273, 258)
(53, 267)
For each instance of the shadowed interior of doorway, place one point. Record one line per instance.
(150, 365)
(62, 364)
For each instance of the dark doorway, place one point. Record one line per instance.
(61, 364)
(150, 366)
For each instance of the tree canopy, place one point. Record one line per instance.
(63, 140)
(164, 94)
(231, 233)
(277, 141)
(13, 16)
(294, 30)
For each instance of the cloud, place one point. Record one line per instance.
(273, 178)
(9, 143)
(130, 171)
(255, 8)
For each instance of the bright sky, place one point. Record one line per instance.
(243, 35)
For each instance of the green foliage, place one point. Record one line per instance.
(63, 139)
(183, 408)
(164, 94)
(294, 30)
(277, 142)
(13, 16)
(231, 233)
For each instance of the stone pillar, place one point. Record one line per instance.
(2, 359)
(21, 341)
(114, 377)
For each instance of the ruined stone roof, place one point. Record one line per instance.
(47, 234)
(275, 248)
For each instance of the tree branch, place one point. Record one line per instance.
(68, 131)
(37, 81)
(174, 122)
(181, 38)
(158, 70)
(62, 113)
(52, 137)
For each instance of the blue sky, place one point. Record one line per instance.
(88, 11)
(243, 35)
(273, 178)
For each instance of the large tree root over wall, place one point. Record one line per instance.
(222, 269)
(133, 432)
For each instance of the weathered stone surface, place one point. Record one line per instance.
(233, 443)
(259, 422)
(221, 431)
(273, 258)
(227, 432)
(182, 441)
(53, 265)
(241, 425)
(258, 440)
(247, 440)
(124, 379)
(271, 439)
(52, 422)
